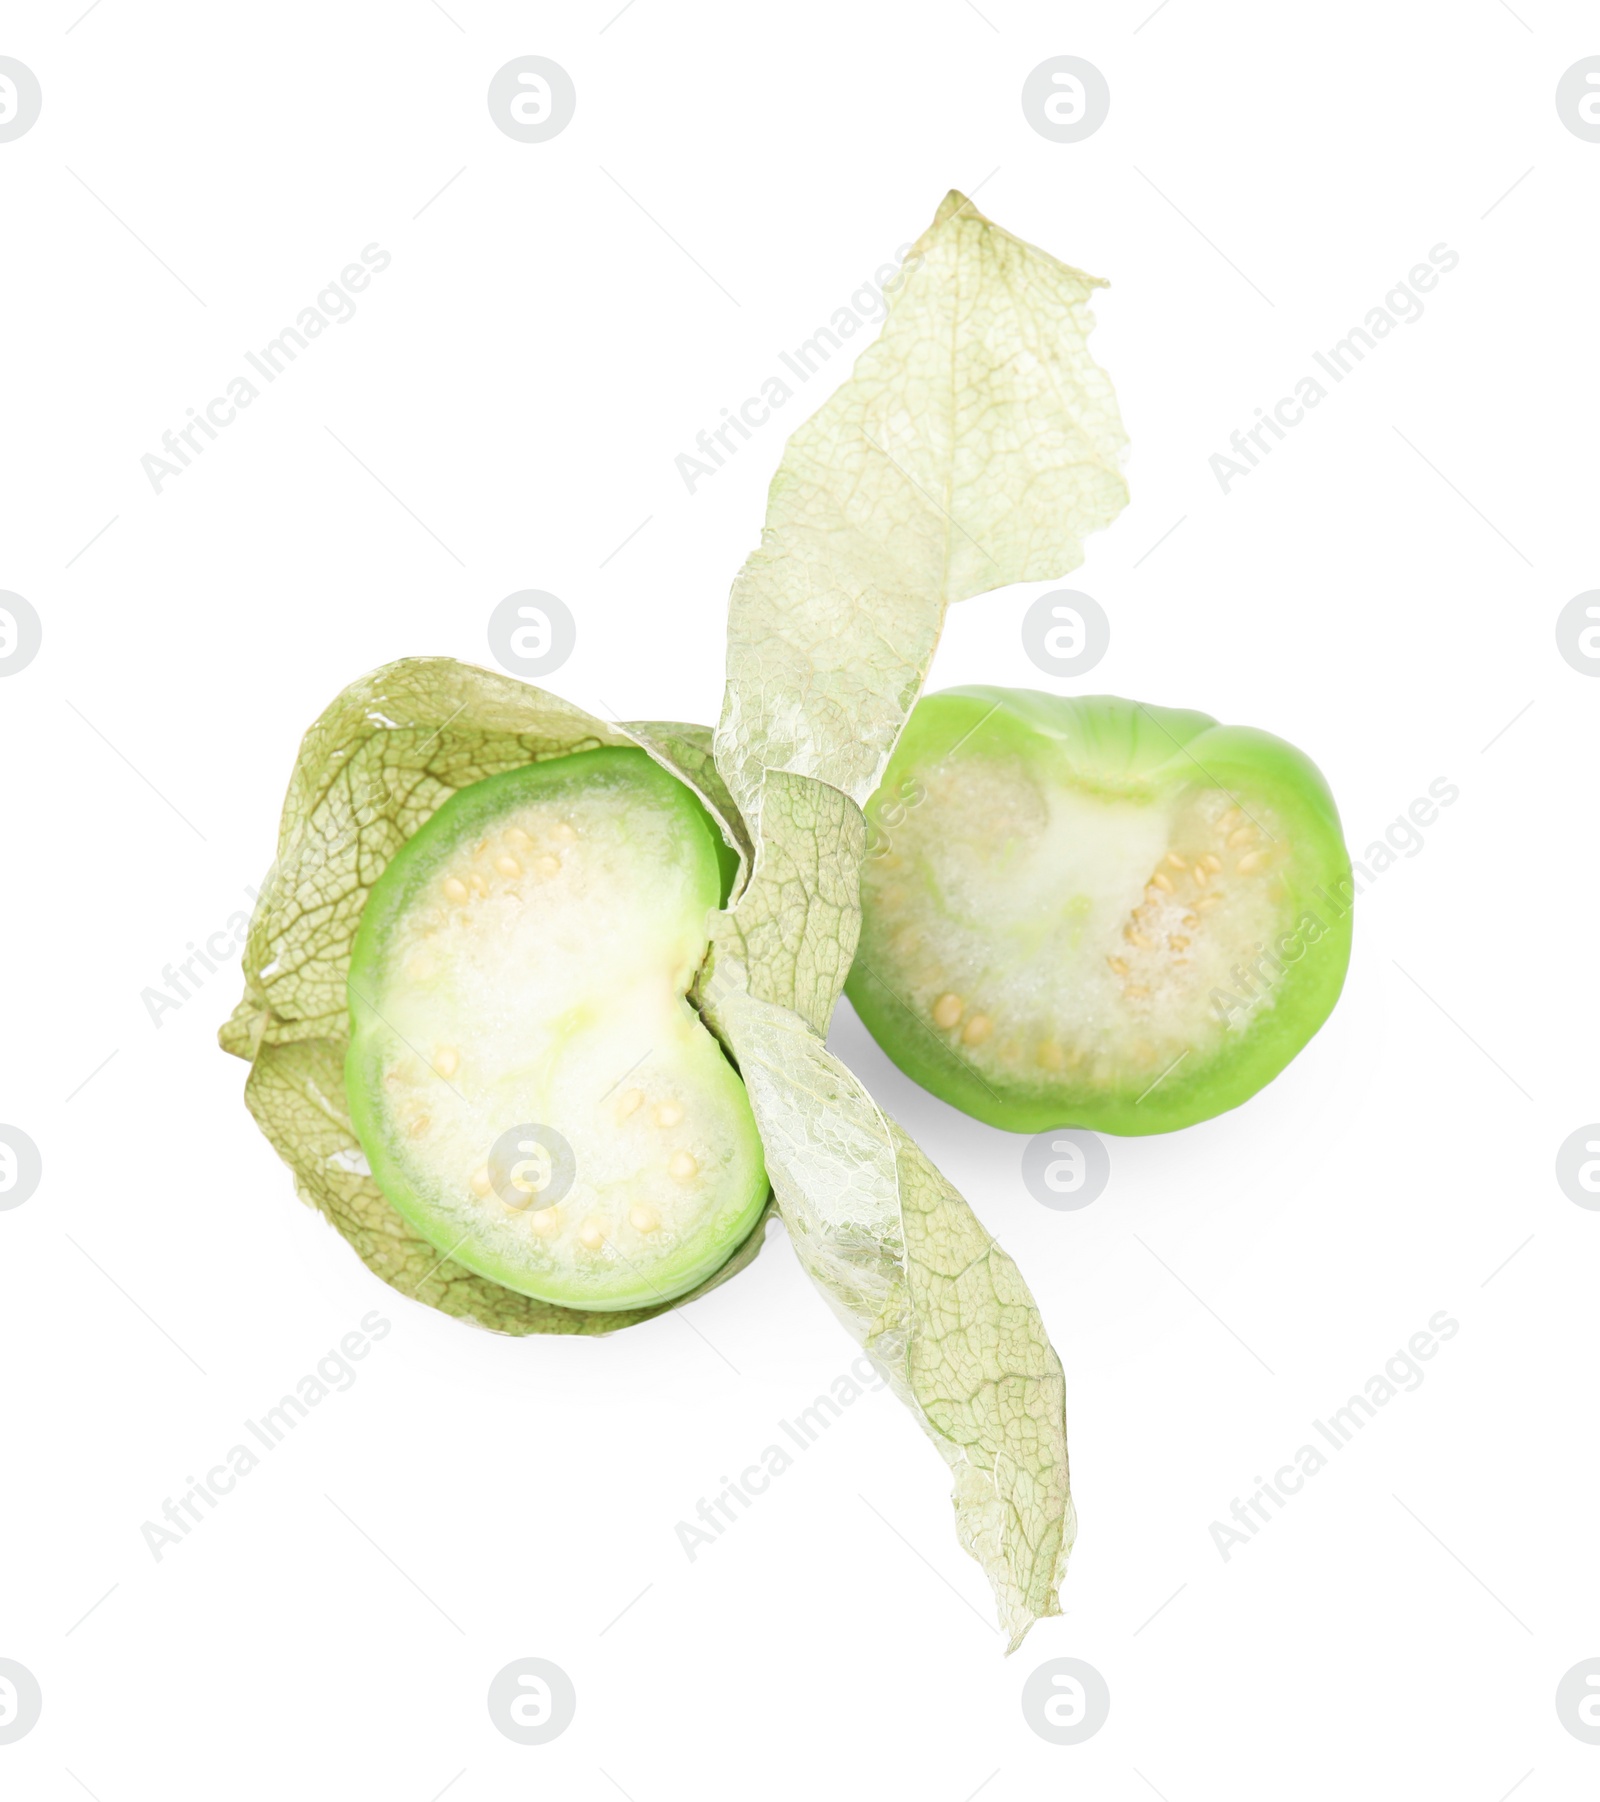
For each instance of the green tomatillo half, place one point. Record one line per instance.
(1089, 912)
(529, 1084)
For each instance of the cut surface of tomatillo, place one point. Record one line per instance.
(530, 1086)
(1089, 912)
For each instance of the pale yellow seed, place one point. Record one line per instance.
(446, 1061)
(419, 1126)
(1251, 862)
(455, 889)
(1207, 902)
(507, 865)
(977, 1029)
(1163, 882)
(1118, 965)
(516, 836)
(628, 1102)
(1243, 836)
(591, 1235)
(1178, 942)
(1231, 818)
(1138, 938)
(545, 1221)
(1048, 1056)
(668, 1113)
(1201, 875)
(1135, 993)
(643, 1218)
(563, 833)
(1212, 862)
(1176, 861)
(481, 1184)
(681, 1167)
(946, 1011)
(421, 969)
(1193, 919)
(547, 865)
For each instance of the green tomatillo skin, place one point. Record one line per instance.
(529, 1084)
(1089, 912)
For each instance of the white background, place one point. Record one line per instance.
(522, 378)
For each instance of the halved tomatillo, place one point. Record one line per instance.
(1088, 912)
(530, 1086)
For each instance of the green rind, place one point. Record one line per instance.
(686, 750)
